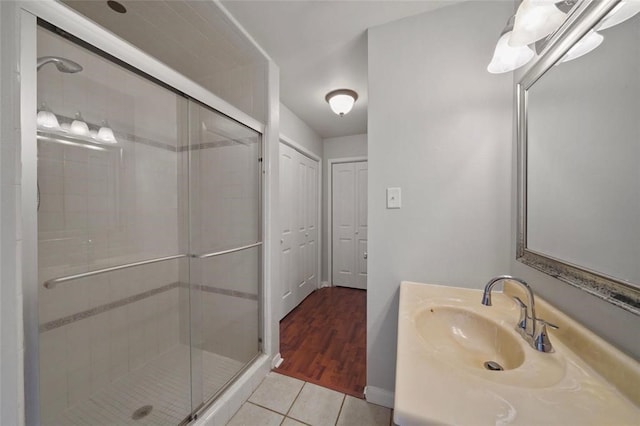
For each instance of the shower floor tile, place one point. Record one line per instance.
(163, 384)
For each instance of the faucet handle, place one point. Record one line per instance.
(541, 340)
(522, 321)
(545, 322)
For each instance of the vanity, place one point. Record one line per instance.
(460, 362)
(473, 357)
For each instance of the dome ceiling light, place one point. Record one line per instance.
(341, 101)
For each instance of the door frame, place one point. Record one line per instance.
(330, 163)
(309, 154)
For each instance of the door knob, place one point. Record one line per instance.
(365, 255)
(306, 234)
(281, 241)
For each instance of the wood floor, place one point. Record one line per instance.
(323, 340)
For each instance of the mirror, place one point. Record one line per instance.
(579, 158)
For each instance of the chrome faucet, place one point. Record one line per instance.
(531, 328)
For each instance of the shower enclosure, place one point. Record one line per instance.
(149, 243)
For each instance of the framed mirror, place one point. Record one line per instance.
(578, 124)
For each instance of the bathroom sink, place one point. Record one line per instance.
(462, 363)
(463, 338)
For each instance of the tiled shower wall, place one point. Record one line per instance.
(100, 209)
(96, 213)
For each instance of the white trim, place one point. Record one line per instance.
(277, 360)
(221, 411)
(67, 19)
(307, 153)
(325, 284)
(379, 396)
(29, 228)
(330, 163)
(301, 149)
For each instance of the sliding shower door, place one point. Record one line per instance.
(149, 244)
(225, 236)
(109, 243)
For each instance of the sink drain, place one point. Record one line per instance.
(493, 366)
(142, 412)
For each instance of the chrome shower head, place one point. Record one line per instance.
(63, 64)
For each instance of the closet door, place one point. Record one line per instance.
(349, 223)
(299, 226)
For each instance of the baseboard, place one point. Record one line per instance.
(276, 361)
(379, 396)
(324, 284)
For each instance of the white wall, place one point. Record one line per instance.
(340, 147)
(440, 127)
(293, 128)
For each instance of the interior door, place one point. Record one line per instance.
(361, 171)
(299, 225)
(349, 223)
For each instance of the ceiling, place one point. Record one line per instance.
(321, 45)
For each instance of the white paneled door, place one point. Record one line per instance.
(349, 223)
(299, 225)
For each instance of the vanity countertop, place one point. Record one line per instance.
(585, 381)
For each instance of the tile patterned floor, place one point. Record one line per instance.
(163, 383)
(283, 400)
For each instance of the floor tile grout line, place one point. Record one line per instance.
(295, 399)
(344, 398)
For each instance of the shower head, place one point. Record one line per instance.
(63, 64)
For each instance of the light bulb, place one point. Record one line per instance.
(46, 119)
(79, 126)
(585, 45)
(105, 134)
(534, 21)
(507, 58)
(624, 10)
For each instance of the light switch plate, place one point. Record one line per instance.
(394, 198)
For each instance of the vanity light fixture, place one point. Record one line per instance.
(624, 10)
(507, 58)
(79, 126)
(105, 133)
(341, 101)
(536, 19)
(590, 41)
(46, 119)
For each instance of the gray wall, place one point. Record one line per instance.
(294, 128)
(440, 127)
(340, 147)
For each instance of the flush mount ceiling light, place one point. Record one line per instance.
(507, 58)
(341, 101)
(536, 19)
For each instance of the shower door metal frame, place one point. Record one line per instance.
(64, 18)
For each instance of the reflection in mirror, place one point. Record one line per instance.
(582, 185)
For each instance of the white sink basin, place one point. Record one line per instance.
(445, 337)
(465, 339)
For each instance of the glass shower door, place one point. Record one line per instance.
(225, 237)
(111, 258)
